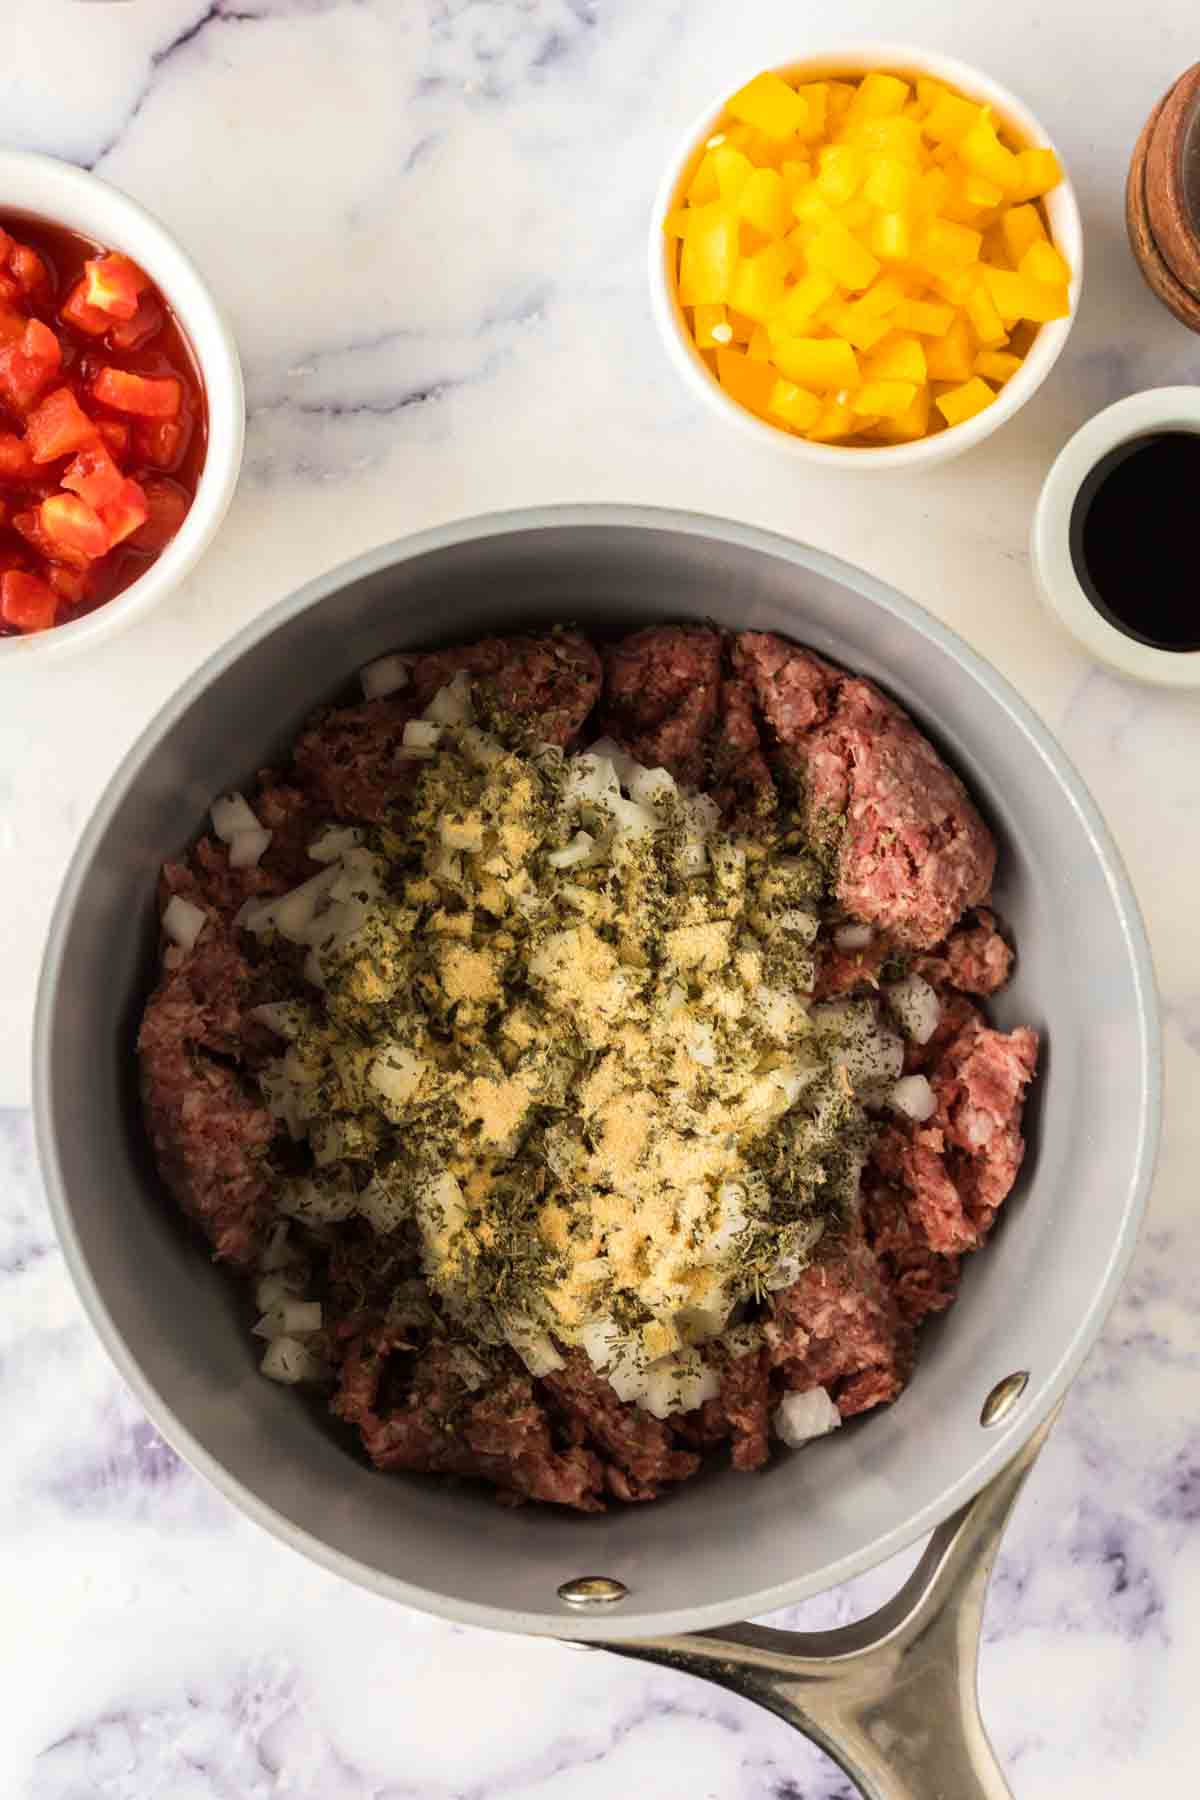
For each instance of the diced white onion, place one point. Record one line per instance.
(479, 747)
(679, 1383)
(269, 1290)
(286, 1018)
(704, 815)
(913, 1096)
(290, 1360)
(332, 844)
(742, 1340)
(459, 832)
(278, 1252)
(693, 858)
(534, 1346)
(290, 1317)
(386, 676)
(649, 787)
(247, 848)
(451, 705)
(801, 1417)
(230, 814)
(853, 937)
(801, 923)
(577, 851)
(590, 780)
(467, 1366)
(183, 921)
(623, 764)
(630, 819)
(702, 1047)
(420, 734)
(915, 1006)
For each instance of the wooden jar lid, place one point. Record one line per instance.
(1162, 199)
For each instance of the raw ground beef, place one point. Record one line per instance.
(757, 722)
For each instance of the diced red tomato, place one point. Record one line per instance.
(26, 602)
(30, 526)
(68, 584)
(12, 323)
(6, 245)
(167, 507)
(162, 442)
(77, 312)
(27, 268)
(94, 476)
(113, 283)
(27, 366)
(131, 334)
(58, 426)
(147, 396)
(124, 515)
(16, 464)
(71, 522)
(115, 433)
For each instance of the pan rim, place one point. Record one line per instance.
(997, 1447)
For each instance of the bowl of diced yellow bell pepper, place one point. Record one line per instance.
(871, 257)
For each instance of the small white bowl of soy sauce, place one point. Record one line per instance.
(1116, 537)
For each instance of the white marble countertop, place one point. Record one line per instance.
(427, 220)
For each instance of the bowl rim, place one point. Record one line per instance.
(1137, 415)
(84, 198)
(997, 1447)
(853, 56)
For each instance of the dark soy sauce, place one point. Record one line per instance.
(1135, 539)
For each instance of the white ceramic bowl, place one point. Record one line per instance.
(1158, 409)
(1062, 208)
(64, 195)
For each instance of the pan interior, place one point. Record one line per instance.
(726, 1543)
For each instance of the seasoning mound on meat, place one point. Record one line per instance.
(582, 1114)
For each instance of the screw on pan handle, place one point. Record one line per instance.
(893, 1698)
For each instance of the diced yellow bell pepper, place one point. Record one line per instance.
(949, 118)
(948, 358)
(820, 363)
(891, 237)
(837, 421)
(944, 246)
(839, 253)
(929, 91)
(710, 254)
(675, 223)
(900, 357)
(743, 329)
(711, 327)
(1017, 297)
(764, 203)
(960, 403)
(801, 301)
(956, 287)
(758, 280)
(978, 191)
(1042, 262)
(863, 330)
(733, 170)
(703, 186)
(1021, 226)
(748, 382)
(815, 95)
(986, 322)
(755, 144)
(794, 174)
(1039, 172)
(856, 215)
(890, 184)
(883, 296)
(839, 171)
(899, 139)
(810, 207)
(884, 399)
(933, 192)
(770, 105)
(877, 96)
(928, 317)
(838, 98)
(997, 365)
(759, 347)
(797, 408)
(981, 150)
(910, 425)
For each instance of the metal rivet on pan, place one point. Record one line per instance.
(592, 1590)
(1004, 1397)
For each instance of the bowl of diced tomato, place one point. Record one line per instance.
(868, 258)
(121, 409)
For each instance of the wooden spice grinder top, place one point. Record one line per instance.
(1162, 199)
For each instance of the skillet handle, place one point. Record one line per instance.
(892, 1698)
